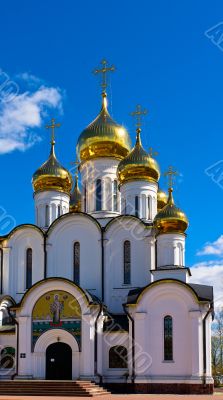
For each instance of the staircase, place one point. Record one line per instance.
(51, 388)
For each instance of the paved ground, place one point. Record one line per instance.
(217, 396)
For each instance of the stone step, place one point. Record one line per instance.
(51, 388)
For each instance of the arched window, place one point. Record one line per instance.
(7, 358)
(118, 357)
(76, 263)
(127, 262)
(98, 195)
(137, 206)
(115, 196)
(58, 211)
(29, 262)
(47, 216)
(168, 338)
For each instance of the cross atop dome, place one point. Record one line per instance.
(104, 71)
(52, 127)
(138, 113)
(170, 174)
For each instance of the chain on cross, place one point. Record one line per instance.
(104, 71)
(138, 113)
(170, 174)
(52, 127)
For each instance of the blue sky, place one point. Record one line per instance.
(164, 61)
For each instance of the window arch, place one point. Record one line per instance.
(76, 266)
(118, 357)
(47, 216)
(137, 206)
(127, 262)
(115, 195)
(98, 195)
(168, 338)
(7, 358)
(29, 267)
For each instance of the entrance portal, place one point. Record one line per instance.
(59, 361)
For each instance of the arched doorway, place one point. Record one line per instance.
(59, 361)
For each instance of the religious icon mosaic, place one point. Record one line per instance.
(53, 310)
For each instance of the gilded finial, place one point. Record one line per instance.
(104, 71)
(138, 113)
(170, 174)
(152, 153)
(52, 127)
(76, 166)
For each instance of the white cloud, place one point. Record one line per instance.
(212, 248)
(210, 273)
(30, 79)
(24, 114)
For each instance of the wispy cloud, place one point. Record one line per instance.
(21, 118)
(210, 273)
(212, 248)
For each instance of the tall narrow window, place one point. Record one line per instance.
(168, 338)
(127, 262)
(85, 198)
(98, 195)
(115, 196)
(137, 206)
(58, 211)
(47, 219)
(149, 208)
(29, 266)
(77, 263)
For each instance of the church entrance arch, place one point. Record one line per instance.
(59, 361)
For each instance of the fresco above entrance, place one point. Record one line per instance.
(56, 309)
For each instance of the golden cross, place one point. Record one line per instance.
(76, 163)
(152, 153)
(170, 174)
(138, 113)
(104, 70)
(53, 126)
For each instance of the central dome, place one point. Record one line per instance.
(103, 137)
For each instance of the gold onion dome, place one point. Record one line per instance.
(103, 137)
(52, 175)
(138, 165)
(75, 197)
(162, 199)
(171, 219)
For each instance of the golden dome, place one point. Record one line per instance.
(75, 197)
(138, 165)
(162, 199)
(103, 137)
(171, 219)
(52, 175)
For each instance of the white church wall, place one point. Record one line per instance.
(170, 249)
(23, 238)
(111, 339)
(60, 243)
(147, 195)
(178, 302)
(122, 229)
(57, 204)
(104, 169)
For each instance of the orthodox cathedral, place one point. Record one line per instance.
(97, 289)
